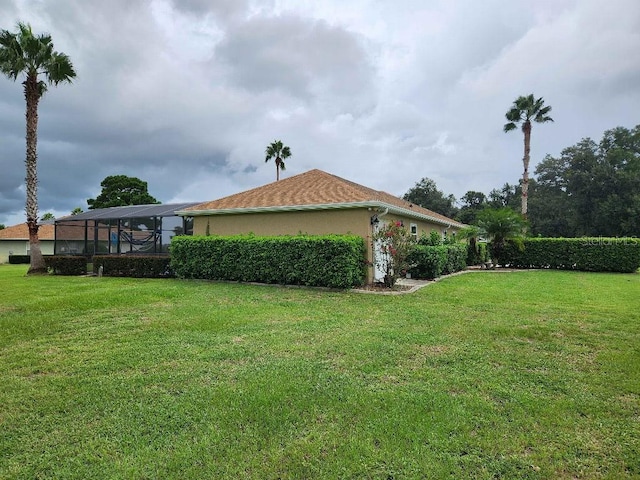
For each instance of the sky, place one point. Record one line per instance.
(187, 94)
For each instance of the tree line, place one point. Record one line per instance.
(590, 189)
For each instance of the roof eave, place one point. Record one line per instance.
(322, 206)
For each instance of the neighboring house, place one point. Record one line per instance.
(317, 203)
(15, 240)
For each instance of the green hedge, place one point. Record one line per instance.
(19, 259)
(336, 261)
(456, 258)
(427, 261)
(137, 266)
(66, 264)
(587, 254)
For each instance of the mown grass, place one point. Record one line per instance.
(484, 375)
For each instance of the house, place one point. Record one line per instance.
(14, 240)
(316, 203)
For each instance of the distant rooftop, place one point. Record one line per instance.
(21, 232)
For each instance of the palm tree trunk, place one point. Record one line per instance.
(277, 169)
(32, 96)
(526, 128)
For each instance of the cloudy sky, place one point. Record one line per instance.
(186, 94)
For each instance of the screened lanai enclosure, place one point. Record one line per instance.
(141, 229)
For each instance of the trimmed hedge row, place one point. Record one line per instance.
(136, 266)
(456, 258)
(430, 262)
(587, 254)
(66, 264)
(336, 261)
(19, 259)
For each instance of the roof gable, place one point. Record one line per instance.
(313, 189)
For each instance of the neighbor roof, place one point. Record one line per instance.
(131, 211)
(21, 232)
(313, 190)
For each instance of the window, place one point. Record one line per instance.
(413, 230)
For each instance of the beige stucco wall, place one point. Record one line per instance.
(313, 222)
(21, 247)
(424, 228)
(355, 221)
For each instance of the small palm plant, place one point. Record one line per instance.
(501, 225)
(279, 152)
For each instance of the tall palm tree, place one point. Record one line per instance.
(32, 55)
(279, 152)
(524, 110)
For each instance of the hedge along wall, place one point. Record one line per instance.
(337, 261)
(587, 254)
(430, 262)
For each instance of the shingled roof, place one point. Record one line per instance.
(21, 232)
(313, 190)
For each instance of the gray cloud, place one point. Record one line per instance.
(187, 94)
(300, 57)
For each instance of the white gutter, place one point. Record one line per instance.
(322, 206)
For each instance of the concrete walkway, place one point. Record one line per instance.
(410, 285)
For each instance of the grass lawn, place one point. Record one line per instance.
(484, 375)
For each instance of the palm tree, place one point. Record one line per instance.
(278, 151)
(526, 109)
(32, 55)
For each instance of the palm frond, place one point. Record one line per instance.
(514, 114)
(510, 126)
(24, 52)
(59, 69)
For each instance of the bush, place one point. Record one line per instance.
(393, 244)
(427, 261)
(456, 258)
(477, 253)
(19, 259)
(66, 264)
(336, 261)
(136, 266)
(587, 254)
(433, 240)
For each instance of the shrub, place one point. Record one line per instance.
(19, 259)
(66, 264)
(336, 261)
(456, 258)
(477, 252)
(427, 262)
(433, 240)
(136, 266)
(393, 246)
(587, 254)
